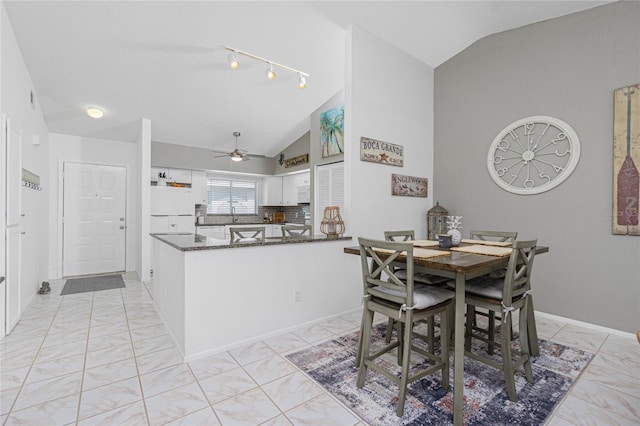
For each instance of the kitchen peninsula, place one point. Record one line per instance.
(214, 295)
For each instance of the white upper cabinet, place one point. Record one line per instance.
(289, 184)
(272, 191)
(199, 186)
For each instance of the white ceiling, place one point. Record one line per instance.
(164, 60)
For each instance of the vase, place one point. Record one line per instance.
(454, 223)
(456, 237)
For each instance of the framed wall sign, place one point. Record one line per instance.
(381, 152)
(408, 186)
(300, 159)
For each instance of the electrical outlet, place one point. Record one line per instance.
(296, 296)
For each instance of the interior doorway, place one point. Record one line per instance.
(94, 219)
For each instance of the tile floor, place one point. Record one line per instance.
(106, 358)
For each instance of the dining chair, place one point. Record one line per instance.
(246, 234)
(508, 294)
(400, 299)
(418, 277)
(296, 230)
(498, 236)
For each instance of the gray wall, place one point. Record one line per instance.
(297, 148)
(566, 68)
(186, 157)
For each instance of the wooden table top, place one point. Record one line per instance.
(457, 262)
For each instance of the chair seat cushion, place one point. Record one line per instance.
(420, 277)
(424, 296)
(485, 286)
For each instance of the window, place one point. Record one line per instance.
(223, 194)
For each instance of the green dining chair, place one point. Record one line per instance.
(507, 295)
(498, 236)
(407, 304)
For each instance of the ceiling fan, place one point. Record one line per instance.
(237, 154)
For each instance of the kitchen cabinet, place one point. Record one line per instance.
(295, 189)
(199, 186)
(272, 191)
(289, 197)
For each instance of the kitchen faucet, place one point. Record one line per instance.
(233, 214)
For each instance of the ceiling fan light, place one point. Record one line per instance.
(94, 112)
(270, 73)
(302, 82)
(233, 60)
(236, 157)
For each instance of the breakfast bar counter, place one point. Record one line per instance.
(214, 295)
(190, 242)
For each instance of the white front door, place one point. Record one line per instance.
(94, 220)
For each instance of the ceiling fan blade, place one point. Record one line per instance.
(220, 156)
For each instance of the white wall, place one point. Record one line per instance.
(15, 102)
(92, 151)
(143, 202)
(389, 97)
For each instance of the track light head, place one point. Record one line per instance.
(271, 75)
(302, 82)
(233, 60)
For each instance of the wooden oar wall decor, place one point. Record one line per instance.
(626, 158)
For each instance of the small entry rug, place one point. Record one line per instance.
(332, 365)
(86, 284)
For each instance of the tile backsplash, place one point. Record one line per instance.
(294, 214)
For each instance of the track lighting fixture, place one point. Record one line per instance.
(270, 73)
(233, 60)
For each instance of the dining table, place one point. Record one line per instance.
(461, 266)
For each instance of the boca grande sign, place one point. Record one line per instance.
(381, 152)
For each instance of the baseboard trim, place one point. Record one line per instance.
(586, 325)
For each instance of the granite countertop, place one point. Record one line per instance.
(192, 242)
(240, 223)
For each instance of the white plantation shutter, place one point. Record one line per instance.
(330, 189)
(222, 194)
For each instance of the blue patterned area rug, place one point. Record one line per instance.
(332, 365)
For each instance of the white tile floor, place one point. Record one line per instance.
(106, 358)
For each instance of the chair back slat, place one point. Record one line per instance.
(240, 233)
(378, 258)
(407, 235)
(500, 236)
(296, 230)
(518, 276)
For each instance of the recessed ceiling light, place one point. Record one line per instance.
(94, 112)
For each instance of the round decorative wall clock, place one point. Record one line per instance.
(533, 155)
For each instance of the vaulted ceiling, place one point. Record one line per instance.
(165, 60)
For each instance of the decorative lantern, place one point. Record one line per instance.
(436, 221)
(332, 224)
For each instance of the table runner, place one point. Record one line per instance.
(489, 250)
(488, 243)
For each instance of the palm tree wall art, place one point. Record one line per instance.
(332, 131)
